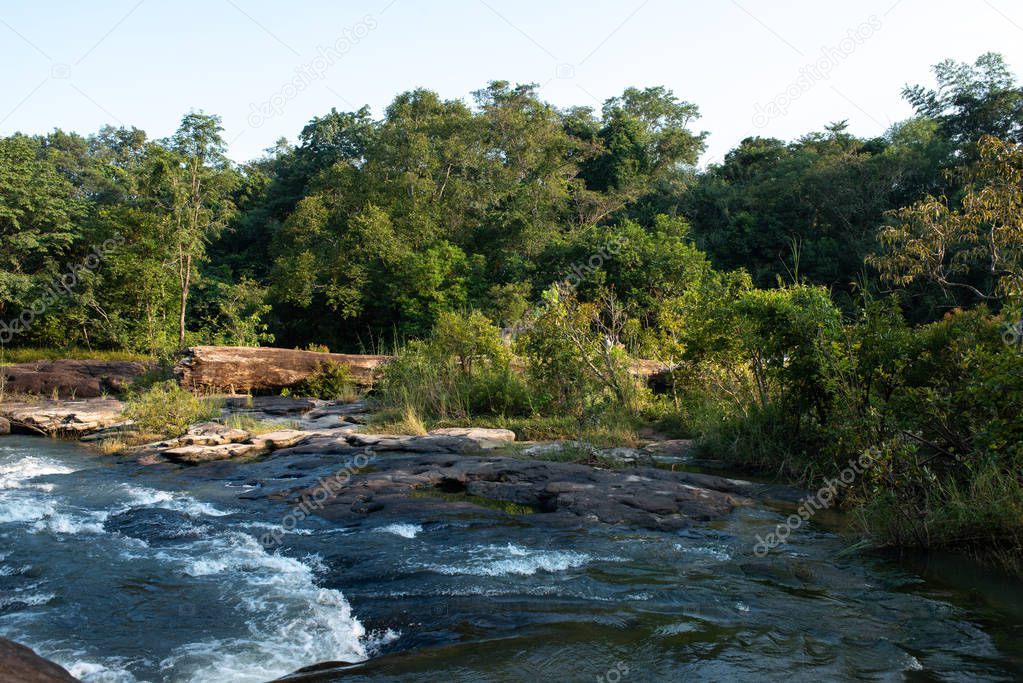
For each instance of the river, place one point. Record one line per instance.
(127, 573)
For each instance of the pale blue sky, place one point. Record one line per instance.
(77, 65)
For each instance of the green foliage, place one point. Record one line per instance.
(166, 409)
(574, 354)
(462, 369)
(330, 381)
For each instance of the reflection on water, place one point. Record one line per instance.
(123, 574)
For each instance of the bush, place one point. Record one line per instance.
(331, 382)
(462, 369)
(575, 359)
(168, 410)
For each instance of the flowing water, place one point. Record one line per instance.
(125, 573)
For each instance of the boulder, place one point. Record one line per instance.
(241, 369)
(5, 426)
(71, 378)
(19, 664)
(66, 418)
(212, 434)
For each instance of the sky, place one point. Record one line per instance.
(754, 67)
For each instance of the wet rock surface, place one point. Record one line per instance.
(364, 483)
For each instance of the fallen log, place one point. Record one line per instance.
(243, 369)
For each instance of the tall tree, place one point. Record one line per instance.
(199, 181)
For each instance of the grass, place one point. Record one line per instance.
(982, 516)
(256, 426)
(30, 355)
(608, 431)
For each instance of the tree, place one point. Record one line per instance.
(41, 212)
(199, 181)
(977, 247)
(972, 100)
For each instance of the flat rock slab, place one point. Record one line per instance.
(478, 434)
(71, 418)
(19, 664)
(274, 406)
(642, 497)
(247, 447)
(72, 378)
(430, 443)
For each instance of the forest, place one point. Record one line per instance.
(814, 300)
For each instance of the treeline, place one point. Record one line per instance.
(363, 232)
(815, 299)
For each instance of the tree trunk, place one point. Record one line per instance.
(185, 283)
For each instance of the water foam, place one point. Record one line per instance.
(291, 621)
(94, 672)
(495, 560)
(172, 500)
(20, 473)
(403, 530)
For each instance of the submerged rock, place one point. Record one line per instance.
(19, 664)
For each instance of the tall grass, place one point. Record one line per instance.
(30, 355)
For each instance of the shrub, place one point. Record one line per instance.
(574, 355)
(331, 382)
(168, 410)
(462, 369)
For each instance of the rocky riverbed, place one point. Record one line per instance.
(228, 555)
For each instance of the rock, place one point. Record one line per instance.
(68, 418)
(19, 664)
(72, 378)
(220, 368)
(212, 434)
(281, 439)
(557, 492)
(431, 443)
(246, 447)
(5, 426)
(196, 454)
(484, 437)
(547, 449)
(673, 447)
(273, 406)
(623, 456)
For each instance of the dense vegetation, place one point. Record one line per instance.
(815, 299)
